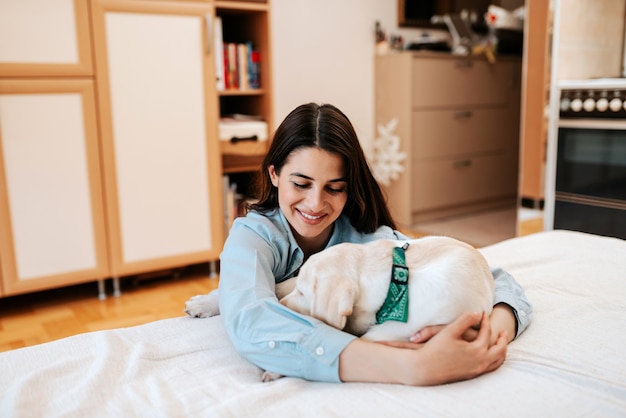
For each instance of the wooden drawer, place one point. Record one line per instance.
(448, 182)
(440, 133)
(462, 81)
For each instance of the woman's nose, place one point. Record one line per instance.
(316, 200)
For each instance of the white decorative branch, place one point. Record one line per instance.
(387, 161)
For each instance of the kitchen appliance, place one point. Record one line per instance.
(586, 178)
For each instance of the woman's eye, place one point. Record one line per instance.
(300, 185)
(336, 190)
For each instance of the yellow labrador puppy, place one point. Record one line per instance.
(349, 286)
(353, 286)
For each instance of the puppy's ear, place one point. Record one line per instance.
(345, 305)
(336, 304)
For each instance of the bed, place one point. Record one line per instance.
(571, 361)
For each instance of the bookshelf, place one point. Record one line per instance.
(245, 22)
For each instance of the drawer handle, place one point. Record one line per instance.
(236, 139)
(462, 163)
(463, 114)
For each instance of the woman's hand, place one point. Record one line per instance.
(502, 319)
(447, 357)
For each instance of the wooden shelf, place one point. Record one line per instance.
(242, 5)
(246, 92)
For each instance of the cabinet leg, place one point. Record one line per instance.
(102, 294)
(116, 287)
(213, 269)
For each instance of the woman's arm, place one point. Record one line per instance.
(261, 329)
(447, 357)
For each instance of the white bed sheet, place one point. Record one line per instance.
(569, 363)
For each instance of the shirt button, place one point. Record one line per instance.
(319, 351)
(272, 344)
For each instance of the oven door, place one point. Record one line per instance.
(590, 192)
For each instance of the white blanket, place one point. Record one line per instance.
(571, 361)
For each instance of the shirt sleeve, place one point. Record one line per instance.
(509, 291)
(262, 330)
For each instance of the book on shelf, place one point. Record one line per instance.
(235, 203)
(240, 66)
(230, 66)
(254, 63)
(231, 202)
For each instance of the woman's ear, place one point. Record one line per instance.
(273, 175)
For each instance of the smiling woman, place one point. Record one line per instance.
(316, 190)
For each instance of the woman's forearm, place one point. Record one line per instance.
(364, 361)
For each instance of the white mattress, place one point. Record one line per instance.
(569, 363)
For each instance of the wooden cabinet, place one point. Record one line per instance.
(51, 205)
(158, 116)
(458, 122)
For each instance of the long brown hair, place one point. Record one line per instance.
(327, 128)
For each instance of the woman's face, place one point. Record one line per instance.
(312, 191)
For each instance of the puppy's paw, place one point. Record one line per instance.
(203, 306)
(270, 377)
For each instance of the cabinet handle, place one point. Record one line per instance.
(463, 114)
(462, 163)
(209, 32)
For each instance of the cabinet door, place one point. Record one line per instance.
(158, 108)
(51, 209)
(44, 38)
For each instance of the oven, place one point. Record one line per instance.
(588, 183)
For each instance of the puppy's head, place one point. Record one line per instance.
(324, 290)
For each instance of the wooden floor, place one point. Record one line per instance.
(46, 316)
(36, 318)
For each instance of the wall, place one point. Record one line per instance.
(324, 52)
(590, 42)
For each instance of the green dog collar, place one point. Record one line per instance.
(396, 306)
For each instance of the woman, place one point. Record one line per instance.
(316, 190)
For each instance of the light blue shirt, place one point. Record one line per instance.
(261, 251)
